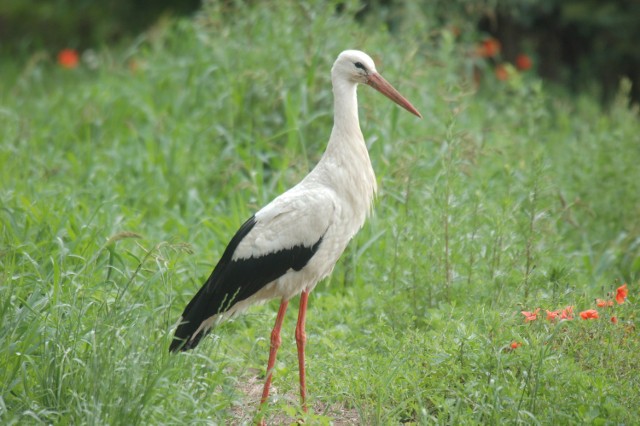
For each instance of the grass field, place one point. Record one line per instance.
(122, 181)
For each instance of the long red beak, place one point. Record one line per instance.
(383, 86)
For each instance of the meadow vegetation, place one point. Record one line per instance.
(123, 179)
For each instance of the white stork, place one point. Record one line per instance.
(293, 242)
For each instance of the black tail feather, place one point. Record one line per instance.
(182, 339)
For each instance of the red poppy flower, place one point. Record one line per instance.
(614, 320)
(552, 315)
(515, 345)
(489, 48)
(589, 314)
(621, 293)
(604, 303)
(68, 58)
(523, 62)
(530, 316)
(567, 313)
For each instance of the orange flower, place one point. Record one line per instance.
(621, 293)
(603, 303)
(589, 314)
(567, 313)
(489, 48)
(614, 320)
(501, 72)
(530, 316)
(523, 62)
(552, 315)
(68, 58)
(515, 345)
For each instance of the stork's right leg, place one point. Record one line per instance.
(275, 344)
(301, 340)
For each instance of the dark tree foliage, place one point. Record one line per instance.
(580, 43)
(576, 42)
(29, 25)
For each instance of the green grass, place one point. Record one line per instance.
(121, 186)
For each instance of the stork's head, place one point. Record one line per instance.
(358, 67)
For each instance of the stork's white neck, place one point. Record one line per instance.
(345, 109)
(345, 165)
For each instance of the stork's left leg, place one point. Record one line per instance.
(275, 344)
(301, 340)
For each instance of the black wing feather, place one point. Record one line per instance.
(235, 280)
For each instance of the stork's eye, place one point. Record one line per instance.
(359, 65)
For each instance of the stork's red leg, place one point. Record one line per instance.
(275, 344)
(301, 340)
